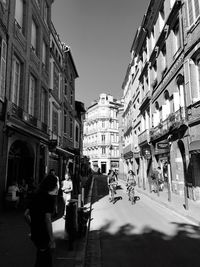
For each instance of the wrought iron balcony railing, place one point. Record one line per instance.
(14, 111)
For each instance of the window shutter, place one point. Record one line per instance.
(194, 81)
(190, 12)
(197, 9)
(3, 69)
(176, 101)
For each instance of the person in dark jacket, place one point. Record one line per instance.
(38, 215)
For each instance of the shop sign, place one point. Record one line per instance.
(162, 145)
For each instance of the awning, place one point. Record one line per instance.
(194, 146)
(64, 152)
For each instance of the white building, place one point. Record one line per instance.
(101, 134)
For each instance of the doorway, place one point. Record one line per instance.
(103, 167)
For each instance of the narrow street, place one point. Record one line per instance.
(144, 234)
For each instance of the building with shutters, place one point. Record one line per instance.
(101, 134)
(38, 116)
(163, 74)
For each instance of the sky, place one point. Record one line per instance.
(100, 34)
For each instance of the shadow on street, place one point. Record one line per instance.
(150, 247)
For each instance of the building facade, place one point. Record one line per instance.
(164, 71)
(101, 134)
(37, 95)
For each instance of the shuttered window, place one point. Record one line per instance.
(193, 9)
(16, 72)
(19, 12)
(3, 52)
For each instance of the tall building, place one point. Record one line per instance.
(162, 86)
(101, 134)
(39, 121)
(26, 92)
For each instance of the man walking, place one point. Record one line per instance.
(38, 215)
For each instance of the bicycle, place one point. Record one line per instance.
(112, 189)
(131, 193)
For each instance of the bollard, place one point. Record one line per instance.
(71, 221)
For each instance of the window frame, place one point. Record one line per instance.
(31, 95)
(16, 88)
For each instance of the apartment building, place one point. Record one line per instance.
(191, 87)
(101, 134)
(25, 132)
(164, 70)
(37, 95)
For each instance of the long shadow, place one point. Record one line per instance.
(148, 248)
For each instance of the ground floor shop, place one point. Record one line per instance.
(104, 165)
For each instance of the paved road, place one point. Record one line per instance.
(145, 234)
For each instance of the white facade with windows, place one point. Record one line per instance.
(101, 134)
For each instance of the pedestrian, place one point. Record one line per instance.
(12, 195)
(53, 172)
(66, 187)
(130, 181)
(38, 216)
(111, 182)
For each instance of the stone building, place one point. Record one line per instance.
(164, 71)
(101, 134)
(25, 132)
(37, 95)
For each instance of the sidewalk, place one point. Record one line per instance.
(16, 248)
(176, 204)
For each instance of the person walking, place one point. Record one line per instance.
(38, 216)
(66, 187)
(53, 172)
(130, 182)
(111, 182)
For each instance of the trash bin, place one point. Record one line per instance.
(71, 219)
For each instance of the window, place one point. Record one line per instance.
(16, 73)
(45, 13)
(65, 88)
(31, 97)
(34, 36)
(177, 36)
(43, 105)
(44, 54)
(55, 80)
(163, 53)
(103, 150)
(77, 134)
(71, 128)
(103, 138)
(65, 121)
(193, 10)
(103, 124)
(55, 120)
(19, 13)
(3, 52)
(71, 97)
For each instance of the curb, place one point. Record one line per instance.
(80, 258)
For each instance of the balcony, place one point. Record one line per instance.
(128, 128)
(16, 112)
(173, 123)
(143, 137)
